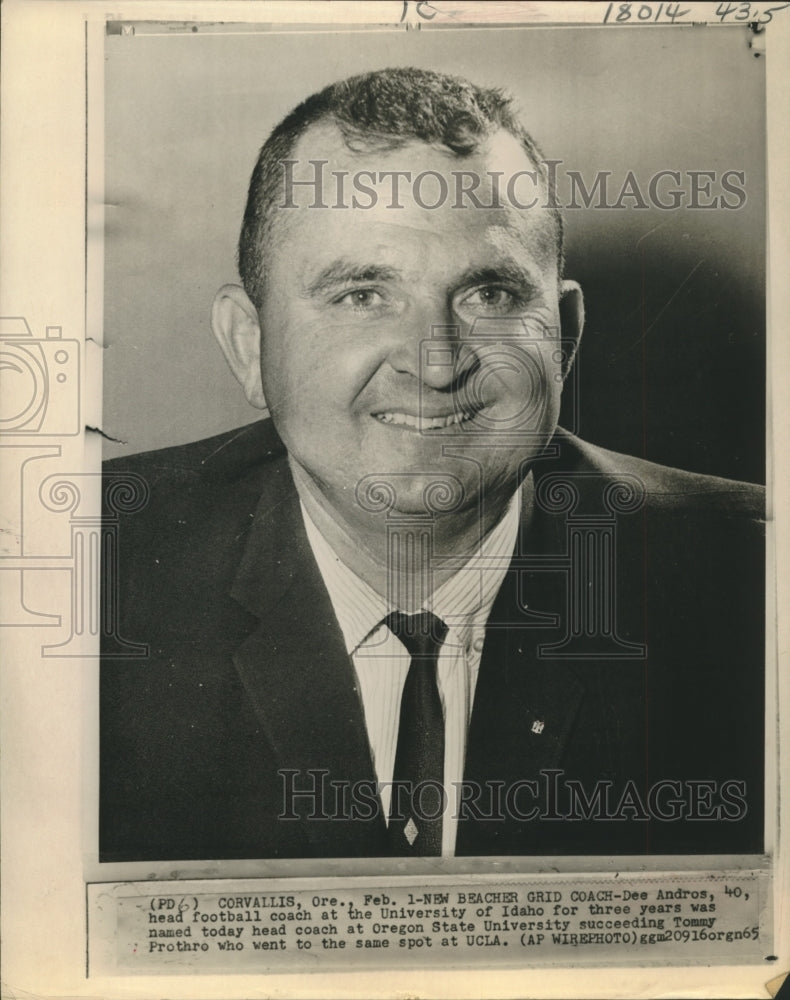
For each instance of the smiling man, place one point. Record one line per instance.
(358, 335)
(405, 613)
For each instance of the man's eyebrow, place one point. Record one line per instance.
(343, 272)
(502, 272)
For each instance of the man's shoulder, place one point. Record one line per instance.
(196, 496)
(182, 542)
(221, 458)
(664, 488)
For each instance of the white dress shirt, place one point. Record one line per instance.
(464, 603)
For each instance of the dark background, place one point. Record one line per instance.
(672, 364)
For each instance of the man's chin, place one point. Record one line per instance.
(414, 492)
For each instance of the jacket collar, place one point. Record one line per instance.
(296, 670)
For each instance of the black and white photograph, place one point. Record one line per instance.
(478, 580)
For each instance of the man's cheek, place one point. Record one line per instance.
(522, 394)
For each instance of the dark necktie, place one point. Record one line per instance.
(415, 825)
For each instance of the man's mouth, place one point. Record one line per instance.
(422, 423)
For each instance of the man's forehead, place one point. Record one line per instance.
(324, 140)
(495, 194)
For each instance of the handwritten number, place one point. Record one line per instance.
(620, 13)
(769, 12)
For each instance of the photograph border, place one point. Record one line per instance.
(74, 859)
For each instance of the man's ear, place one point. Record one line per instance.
(234, 320)
(571, 321)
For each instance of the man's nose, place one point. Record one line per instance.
(430, 346)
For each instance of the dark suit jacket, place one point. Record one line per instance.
(247, 675)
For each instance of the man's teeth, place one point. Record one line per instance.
(424, 423)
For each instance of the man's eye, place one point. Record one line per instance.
(491, 299)
(360, 299)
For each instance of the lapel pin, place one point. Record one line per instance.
(537, 727)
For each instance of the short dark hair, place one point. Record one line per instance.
(383, 109)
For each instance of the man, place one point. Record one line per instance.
(407, 614)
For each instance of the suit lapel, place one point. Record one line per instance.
(299, 677)
(524, 706)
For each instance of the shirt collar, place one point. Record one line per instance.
(465, 597)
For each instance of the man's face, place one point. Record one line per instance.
(406, 344)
